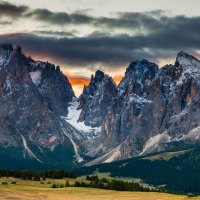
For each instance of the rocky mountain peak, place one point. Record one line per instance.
(183, 54)
(99, 75)
(186, 60)
(137, 75)
(96, 99)
(142, 67)
(186, 63)
(52, 84)
(96, 79)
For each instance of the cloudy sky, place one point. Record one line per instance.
(85, 35)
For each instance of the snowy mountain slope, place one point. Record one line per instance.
(73, 119)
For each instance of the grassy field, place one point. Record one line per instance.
(109, 177)
(166, 155)
(34, 190)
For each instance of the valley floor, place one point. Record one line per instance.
(31, 190)
(81, 194)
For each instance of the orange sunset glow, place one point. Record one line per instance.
(117, 78)
(78, 81)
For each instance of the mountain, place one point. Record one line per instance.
(155, 110)
(43, 124)
(33, 96)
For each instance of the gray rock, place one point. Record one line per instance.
(96, 99)
(155, 110)
(33, 95)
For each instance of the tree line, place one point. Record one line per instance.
(36, 175)
(113, 184)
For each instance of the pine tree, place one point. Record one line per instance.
(67, 184)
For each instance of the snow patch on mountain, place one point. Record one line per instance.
(138, 99)
(73, 116)
(36, 77)
(2, 60)
(7, 84)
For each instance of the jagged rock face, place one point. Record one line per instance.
(138, 75)
(53, 86)
(132, 92)
(30, 124)
(156, 109)
(96, 99)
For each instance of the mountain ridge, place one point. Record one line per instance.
(152, 109)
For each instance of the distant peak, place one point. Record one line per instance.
(186, 63)
(141, 65)
(99, 73)
(184, 55)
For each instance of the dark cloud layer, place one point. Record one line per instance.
(156, 36)
(154, 21)
(113, 50)
(130, 20)
(11, 10)
(59, 18)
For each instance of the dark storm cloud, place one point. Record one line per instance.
(11, 10)
(120, 20)
(147, 22)
(132, 20)
(110, 50)
(59, 18)
(151, 22)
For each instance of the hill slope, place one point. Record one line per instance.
(179, 172)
